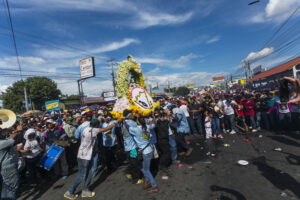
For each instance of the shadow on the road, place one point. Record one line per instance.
(236, 194)
(292, 158)
(279, 179)
(100, 180)
(285, 140)
(35, 192)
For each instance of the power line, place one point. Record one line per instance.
(282, 25)
(14, 39)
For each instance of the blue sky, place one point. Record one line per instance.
(184, 41)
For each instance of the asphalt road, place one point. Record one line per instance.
(270, 175)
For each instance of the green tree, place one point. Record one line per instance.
(39, 90)
(182, 91)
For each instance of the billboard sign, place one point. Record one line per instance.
(52, 105)
(218, 78)
(87, 68)
(109, 96)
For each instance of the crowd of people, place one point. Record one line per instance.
(92, 139)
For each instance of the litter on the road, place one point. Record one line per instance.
(243, 162)
(278, 149)
(246, 140)
(208, 153)
(260, 136)
(226, 145)
(197, 144)
(164, 177)
(207, 162)
(190, 167)
(283, 194)
(180, 165)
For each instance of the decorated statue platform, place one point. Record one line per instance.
(131, 90)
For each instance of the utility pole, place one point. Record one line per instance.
(113, 74)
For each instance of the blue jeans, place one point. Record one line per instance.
(173, 148)
(146, 168)
(196, 124)
(273, 120)
(215, 123)
(264, 117)
(229, 121)
(258, 119)
(84, 172)
(285, 120)
(251, 121)
(181, 141)
(10, 182)
(95, 165)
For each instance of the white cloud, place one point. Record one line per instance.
(279, 7)
(180, 62)
(63, 54)
(115, 45)
(254, 56)
(146, 19)
(137, 14)
(213, 40)
(275, 11)
(181, 79)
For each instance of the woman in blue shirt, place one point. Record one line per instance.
(143, 147)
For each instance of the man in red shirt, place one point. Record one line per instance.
(248, 104)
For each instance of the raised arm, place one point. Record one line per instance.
(110, 126)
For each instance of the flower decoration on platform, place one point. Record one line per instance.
(131, 90)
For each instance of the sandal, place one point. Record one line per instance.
(152, 190)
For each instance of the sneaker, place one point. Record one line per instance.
(152, 190)
(232, 132)
(250, 127)
(258, 128)
(147, 185)
(254, 130)
(182, 153)
(228, 131)
(64, 177)
(220, 136)
(188, 153)
(87, 194)
(224, 131)
(70, 196)
(215, 136)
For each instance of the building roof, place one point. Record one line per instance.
(281, 68)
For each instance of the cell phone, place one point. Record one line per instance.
(284, 93)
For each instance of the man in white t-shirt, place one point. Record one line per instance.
(229, 114)
(84, 157)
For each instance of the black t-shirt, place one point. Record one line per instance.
(196, 106)
(205, 105)
(162, 131)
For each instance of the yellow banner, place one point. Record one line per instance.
(191, 86)
(52, 106)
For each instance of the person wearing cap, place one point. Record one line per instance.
(52, 134)
(84, 158)
(31, 151)
(142, 147)
(195, 117)
(109, 142)
(182, 129)
(8, 166)
(76, 121)
(84, 124)
(70, 132)
(133, 171)
(271, 99)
